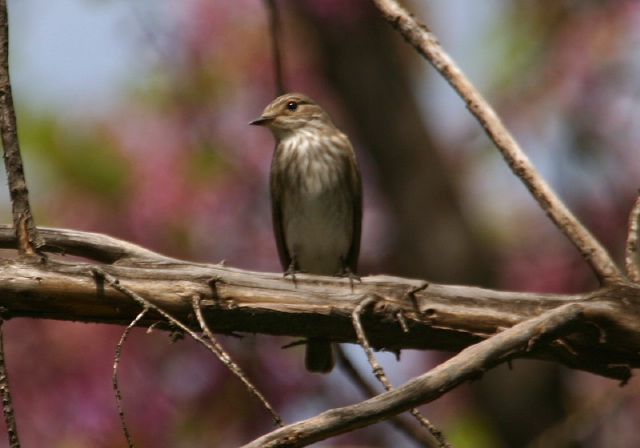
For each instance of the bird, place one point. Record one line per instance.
(316, 199)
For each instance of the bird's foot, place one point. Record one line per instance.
(347, 272)
(291, 271)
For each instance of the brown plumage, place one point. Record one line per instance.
(316, 198)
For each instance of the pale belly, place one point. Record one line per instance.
(319, 232)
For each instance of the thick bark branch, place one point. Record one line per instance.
(443, 317)
(428, 46)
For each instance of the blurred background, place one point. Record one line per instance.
(133, 122)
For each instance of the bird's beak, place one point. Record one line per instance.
(261, 121)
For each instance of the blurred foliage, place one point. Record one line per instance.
(173, 166)
(83, 160)
(471, 430)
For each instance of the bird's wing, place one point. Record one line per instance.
(355, 184)
(277, 193)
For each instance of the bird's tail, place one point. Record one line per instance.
(319, 357)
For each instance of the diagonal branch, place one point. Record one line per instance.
(632, 260)
(213, 346)
(24, 226)
(467, 365)
(400, 421)
(428, 46)
(224, 357)
(379, 373)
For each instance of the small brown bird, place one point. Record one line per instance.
(316, 198)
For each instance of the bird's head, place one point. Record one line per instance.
(291, 112)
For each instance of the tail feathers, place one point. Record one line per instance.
(319, 357)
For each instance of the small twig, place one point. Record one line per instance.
(224, 357)
(114, 378)
(7, 403)
(274, 30)
(632, 263)
(115, 284)
(419, 36)
(23, 224)
(378, 371)
(400, 422)
(402, 321)
(412, 296)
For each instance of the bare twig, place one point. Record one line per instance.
(7, 403)
(223, 356)
(400, 421)
(427, 387)
(402, 321)
(632, 263)
(274, 30)
(114, 379)
(24, 226)
(379, 371)
(428, 46)
(115, 284)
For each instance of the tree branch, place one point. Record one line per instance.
(94, 246)
(212, 344)
(401, 422)
(114, 376)
(7, 402)
(443, 317)
(379, 373)
(632, 261)
(428, 46)
(23, 224)
(467, 365)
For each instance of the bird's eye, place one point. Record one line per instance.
(292, 105)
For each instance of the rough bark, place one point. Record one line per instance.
(442, 317)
